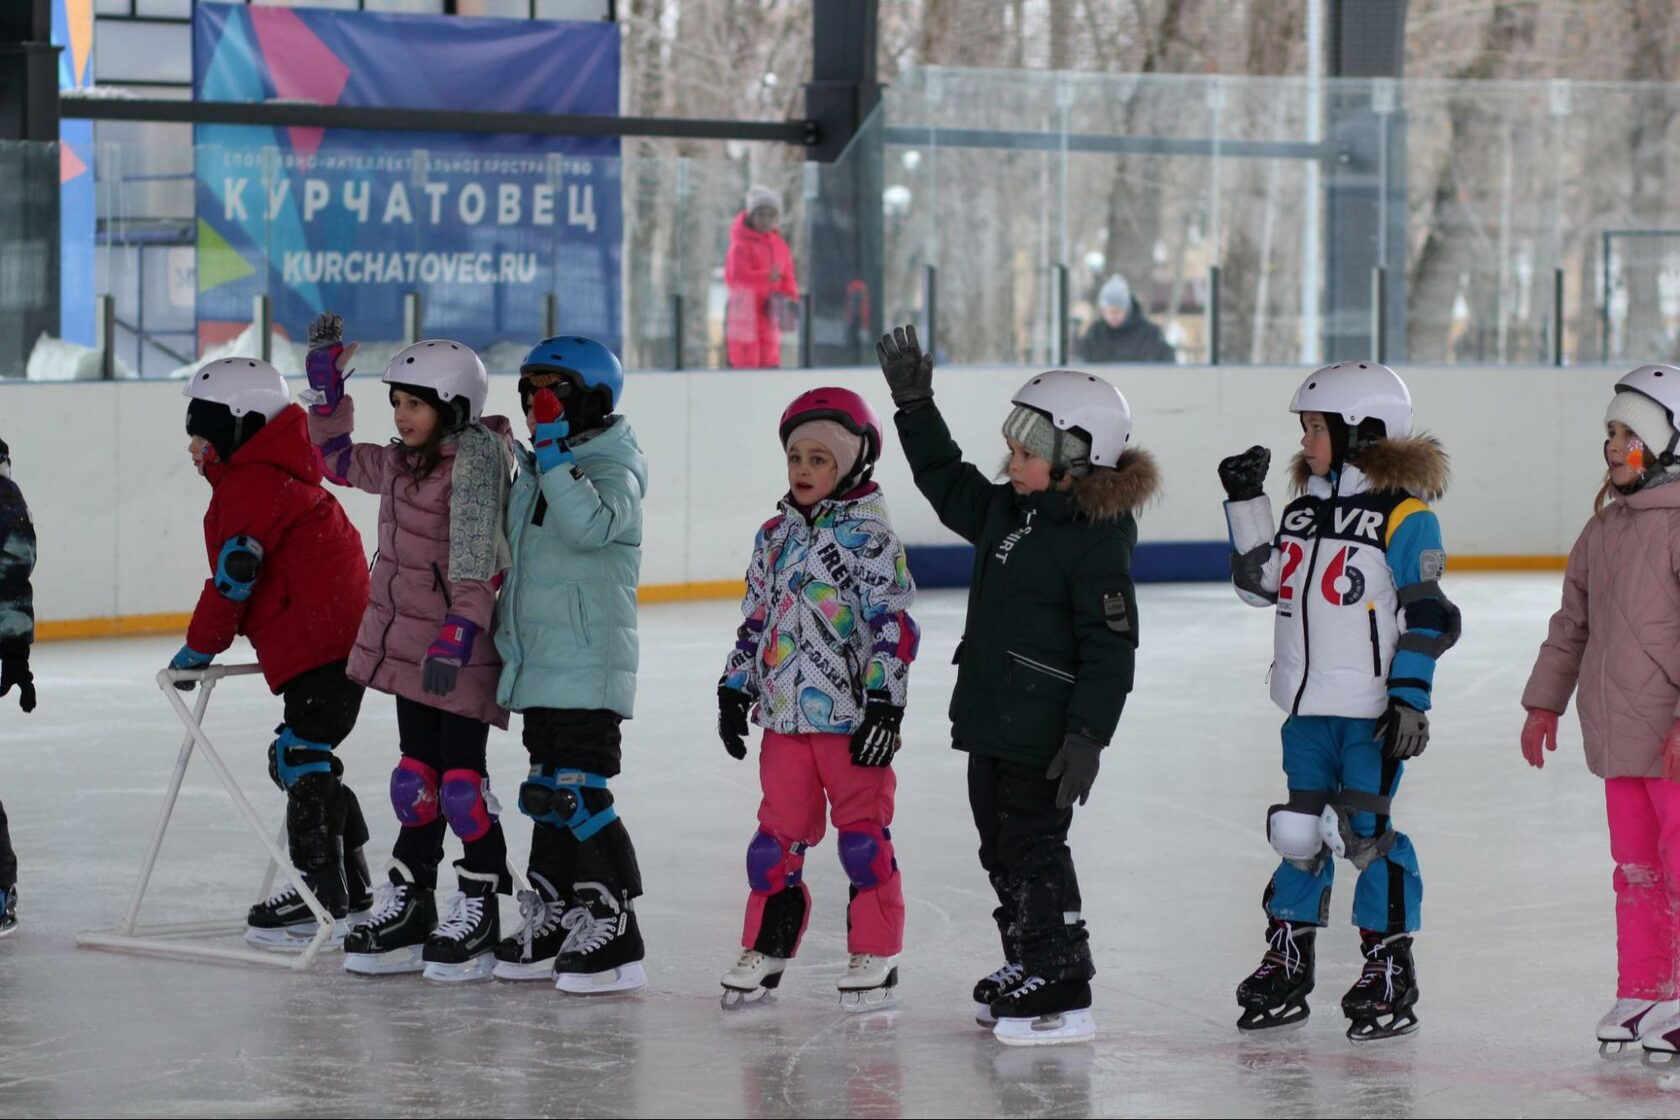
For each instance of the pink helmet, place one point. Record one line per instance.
(851, 412)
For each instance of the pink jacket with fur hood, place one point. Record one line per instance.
(412, 591)
(1616, 638)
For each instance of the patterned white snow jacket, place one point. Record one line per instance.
(827, 616)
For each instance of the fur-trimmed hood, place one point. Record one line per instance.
(1415, 465)
(1104, 494)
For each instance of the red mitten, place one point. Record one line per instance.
(1539, 735)
(1671, 754)
(546, 407)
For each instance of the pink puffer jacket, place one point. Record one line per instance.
(412, 591)
(1617, 635)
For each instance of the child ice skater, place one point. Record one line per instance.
(822, 663)
(442, 486)
(567, 636)
(287, 571)
(1615, 642)
(1354, 571)
(17, 632)
(1046, 659)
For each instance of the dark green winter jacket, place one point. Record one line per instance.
(1051, 634)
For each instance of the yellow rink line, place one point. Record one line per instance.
(135, 625)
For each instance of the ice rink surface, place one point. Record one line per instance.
(1516, 961)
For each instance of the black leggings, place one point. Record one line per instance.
(445, 741)
(588, 740)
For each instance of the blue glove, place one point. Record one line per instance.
(189, 658)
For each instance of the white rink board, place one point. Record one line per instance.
(119, 510)
(1517, 958)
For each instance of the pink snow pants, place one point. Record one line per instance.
(796, 772)
(1645, 843)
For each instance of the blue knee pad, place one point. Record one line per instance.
(554, 797)
(291, 758)
(866, 852)
(773, 864)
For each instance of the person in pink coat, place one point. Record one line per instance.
(1615, 642)
(762, 286)
(426, 639)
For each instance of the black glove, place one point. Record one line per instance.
(1244, 476)
(1076, 765)
(909, 371)
(876, 739)
(732, 720)
(14, 669)
(1403, 729)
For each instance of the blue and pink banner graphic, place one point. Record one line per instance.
(482, 227)
(72, 29)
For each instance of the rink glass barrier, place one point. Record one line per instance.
(1012, 195)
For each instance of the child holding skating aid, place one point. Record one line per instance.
(1353, 570)
(442, 486)
(566, 630)
(1615, 642)
(287, 571)
(1046, 659)
(822, 663)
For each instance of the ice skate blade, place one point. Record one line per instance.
(627, 978)
(474, 968)
(1047, 1030)
(389, 963)
(1255, 1019)
(858, 1001)
(7, 931)
(1370, 1030)
(294, 939)
(1611, 1049)
(739, 999)
(524, 970)
(983, 1015)
(1659, 1059)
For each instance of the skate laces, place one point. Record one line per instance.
(748, 960)
(388, 899)
(588, 932)
(464, 915)
(281, 895)
(1006, 976)
(541, 918)
(1379, 964)
(1285, 952)
(1030, 985)
(859, 961)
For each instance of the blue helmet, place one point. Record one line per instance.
(595, 366)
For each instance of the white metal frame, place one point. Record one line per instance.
(167, 940)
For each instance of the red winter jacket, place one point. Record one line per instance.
(755, 339)
(313, 586)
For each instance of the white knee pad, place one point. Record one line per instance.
(1302, 838)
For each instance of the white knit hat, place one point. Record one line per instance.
(1645, 418)
(1115, 293)
(759, 196)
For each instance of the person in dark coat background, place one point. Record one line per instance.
(1124, 333)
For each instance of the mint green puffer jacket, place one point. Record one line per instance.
(566, 623)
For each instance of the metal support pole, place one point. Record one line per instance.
(677, 331)
(930, 309)
(1059, 333)
(1213, 315)
(551, 315)
(262, 318)
(1604, 307)
(106, 310)
(1379, 314)
(1557, 316)
(413, 317)
(805, 330)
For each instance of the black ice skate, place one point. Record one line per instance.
(1379, 1005)
(8, 910)
(463, 947)
(1040, 1012)
(603, 948)
(285, 922)
(529, 954)
(1275, 994)
(392, 939)
(991, 989)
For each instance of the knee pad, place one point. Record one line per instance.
(290, 758)
(774, 864)
(554, 797)
(463, 803)
(414, 792)
(1343, 841)
(866, 852)
(1302, 828)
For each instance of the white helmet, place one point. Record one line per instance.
(449, 369)
(242, 384)
(1358, 391)
(1083, 401)
(1662, 384)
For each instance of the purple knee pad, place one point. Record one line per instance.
(414, 793)
(463, 804)
(774, 864)
(866, 852)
